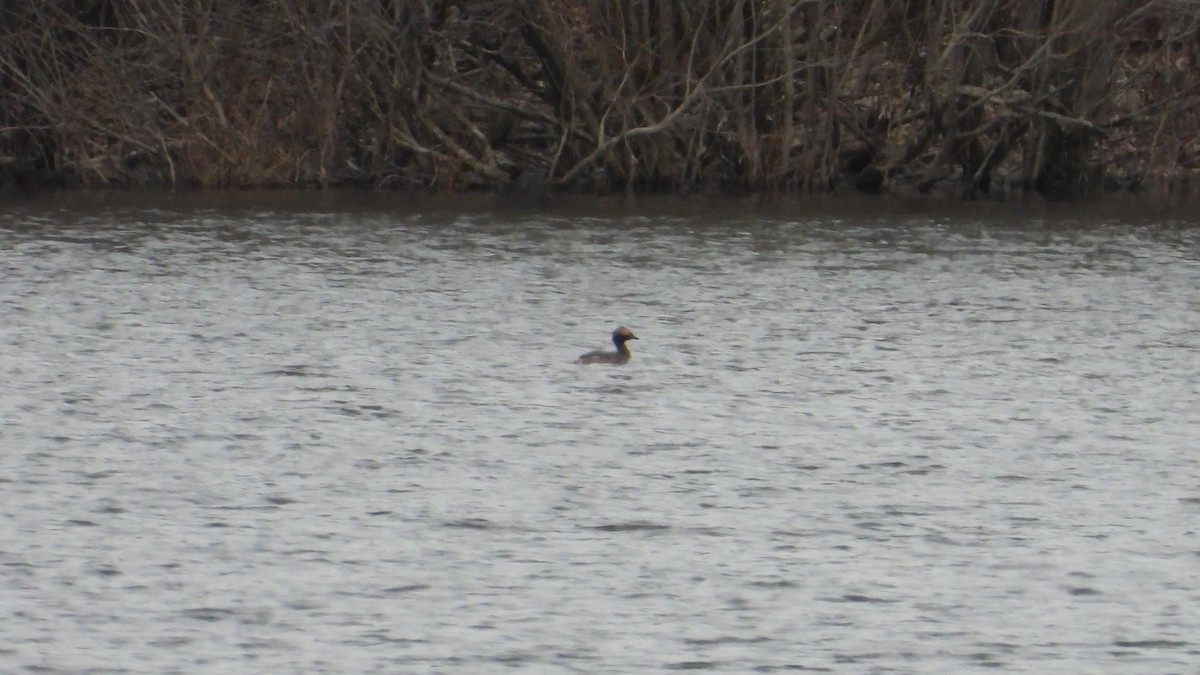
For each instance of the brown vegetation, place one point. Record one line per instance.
(1062, 96)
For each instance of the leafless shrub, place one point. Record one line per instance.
(1055, 95)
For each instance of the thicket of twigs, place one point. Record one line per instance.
(1062, 96)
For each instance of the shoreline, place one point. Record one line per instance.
(1002, 191)
(1062, 98)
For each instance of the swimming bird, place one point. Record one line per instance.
(618, 358)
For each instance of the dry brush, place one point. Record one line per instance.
(1061, 96)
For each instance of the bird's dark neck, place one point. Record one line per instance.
(622, 348)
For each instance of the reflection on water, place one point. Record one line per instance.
(285, 433)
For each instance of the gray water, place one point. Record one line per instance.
(301, 434)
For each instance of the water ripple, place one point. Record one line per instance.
(354, 439)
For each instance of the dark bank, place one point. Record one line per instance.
(1059, 97)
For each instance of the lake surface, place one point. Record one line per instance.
(345, 433)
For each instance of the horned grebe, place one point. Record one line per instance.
(618, 358)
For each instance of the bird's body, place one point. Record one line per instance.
(618, 358)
